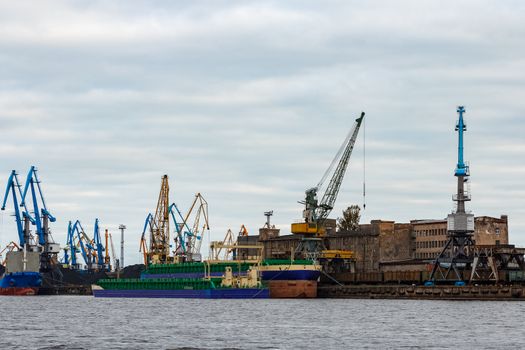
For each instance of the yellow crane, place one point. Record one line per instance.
(159, 244)
(316, 211)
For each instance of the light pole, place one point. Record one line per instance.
(121, 228)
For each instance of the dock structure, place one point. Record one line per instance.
(436, 292)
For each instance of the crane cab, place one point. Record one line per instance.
(308, 228)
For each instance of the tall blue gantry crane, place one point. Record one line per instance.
(456, 255)
(42, 217)
(22, 218)
(99, 247)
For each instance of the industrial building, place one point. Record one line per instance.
(431, 235)
(387, 245)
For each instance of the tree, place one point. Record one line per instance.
(350, 219)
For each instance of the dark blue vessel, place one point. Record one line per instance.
(20, 283)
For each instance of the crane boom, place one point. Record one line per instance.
(329, 197)
(115, 262)
(316, 212)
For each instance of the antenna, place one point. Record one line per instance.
(268, 214)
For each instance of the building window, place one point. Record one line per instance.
(497, 231)
(497, 242)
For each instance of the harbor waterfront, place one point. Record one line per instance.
(258, 324)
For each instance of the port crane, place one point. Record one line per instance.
(179, 239)
(315, 213)
(42, 217)
(456, 255)
(159, 242)
(99, 247)
(189, 230)
(83, 242)
(22, 218)
(91, 249)
(107, 258)
(198, 214)
(182, 231)
(116, 262)
(227, 244)
(71, 249)
(143, 247)
(243, 231)
(157, 251)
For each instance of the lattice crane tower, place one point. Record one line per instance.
(159, 249)
(456, 255)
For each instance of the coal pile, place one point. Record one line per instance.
(71, 276)
(132, 271)
(63, 276)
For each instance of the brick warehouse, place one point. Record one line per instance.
(387, 245)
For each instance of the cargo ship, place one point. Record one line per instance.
(20, 283)
(291, 278)
(21, 276)
(229, 286)
(218, 279)
(271, 269)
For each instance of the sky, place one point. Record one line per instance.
(247, 102)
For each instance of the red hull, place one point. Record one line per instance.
(293, 289)
(19, 291)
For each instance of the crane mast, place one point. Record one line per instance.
(315, 212)
(159, 249)
(457, 254)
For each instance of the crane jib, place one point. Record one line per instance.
(329, 197)
(316, 212)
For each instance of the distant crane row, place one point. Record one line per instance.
(94, 254)
(188, 233)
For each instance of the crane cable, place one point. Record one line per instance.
(1, 224)
(364, 165)
(335, 159)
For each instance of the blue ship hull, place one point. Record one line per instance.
(20, 283)
(227, 293)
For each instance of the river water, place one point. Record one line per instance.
(74, 322)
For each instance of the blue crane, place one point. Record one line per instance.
(143, 248)
(13, 187)
(179, 226)
(40, 221)
(461, 169)
(69, 243)
(42, 218)
(98, 245)
(91, 249)
(86, 248)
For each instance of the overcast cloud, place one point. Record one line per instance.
(247, 103)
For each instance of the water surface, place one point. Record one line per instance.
(73, 322)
